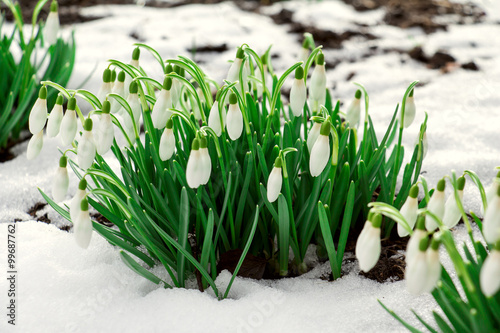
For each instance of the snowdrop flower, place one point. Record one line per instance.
(160, 114)
(275, 181)
(119, 89)
(409, 211)
(321, 151)
(414, 242)
(491, 222)
(433, 265)
(409, 114)
(106, 85)
(205, 162)
(234, 118)
(298, 93)
(167, 142)
(86, 146)
(105, 130)
(417, 270)
(176, 84)
(304, 52)
(353, 113)
(133, 101)
(436, 206)
(317, 87)
(83, 225)
(194, 172)
(491, 192)
(233, 74)
(55, 118)
(38, 114)
(61, 181)
(135, 63)
(489, 276)
(368, 244)
(313, 135)
(69, 123)
(74, 206)
(214, 117)
(51, 29)
(451, 212)
(35, 145)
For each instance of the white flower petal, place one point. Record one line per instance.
(193, 171)
(106, 134)
(38, 116)
(416, 273)
(491, 222)
(167, 144)
(51, 29)
(353, 113)
(451, 212)
(413, 245)
(489, 276)
(233, 74)
(435, 206)
(86, 150)
(317, 86)
(368, 247)
(234, 122)
(433, 270)
(298, 97)
(409, 212)
(214, 121)
(83, 229)
(54, 122)
(35, 145)
(205, 166)
(410, 111)
(313, 135)
(68, 127)
(60, 184)
(320, 155)
(274, 184)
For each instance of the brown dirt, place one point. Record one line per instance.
(6, 154)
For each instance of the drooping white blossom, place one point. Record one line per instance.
(35, 145)
(194, 172)
(86, 146)
(52, 26)
(61, 181)
(55, 118)
(489, 277)
(275, 181)
(74, 206)
(353, 113)
(320, 153)
(410, 110)
(451, 212)
(413, 244)
(69, 123)
(417, 270)
(214, 118)
(161, 114)
(368, 245)
(313, 135)
(135, 63)
(433, 266)
(234, 118)
(118, 89)
(491, 222)
(205, 161)
(106, 85)
(436, 206)
(167, 142)
(298, 93)
(38, 114)
(83, 226)
(317, 85)
(105, 130)
(409, 211)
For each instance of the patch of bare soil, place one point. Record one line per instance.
(391, 265)
(33, 212)
(421, 13)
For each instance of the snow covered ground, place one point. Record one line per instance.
(62, 288)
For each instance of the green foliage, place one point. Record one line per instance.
(24, 63)
(187, 229)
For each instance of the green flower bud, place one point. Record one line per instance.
(376, 220)
(278, 162)
(42, 94)
(435, 243)
(54, 6)
(72, 103)
(133, 89)
(167, 83)
(59, 99)
(121, 76)
(414, 191)
(169, 69)
(88, 124)
(461, 183)
(320, 59)
(84, 206)
(195, 145)
(63, 161)
(113, 75)
(106, 106)
(203, 142)
(441, 185)
(136, 53)
(421, 222)
(411, 93)
(299, 73)
(240, 54)
(82, 185)
(357, 95)
(170, 123)
(106, 75)
(233, 99)
(424, 244)
(325, 128)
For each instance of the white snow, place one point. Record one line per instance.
(62, 288)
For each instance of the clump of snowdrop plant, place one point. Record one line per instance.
(477, 269)
(226, 165)
(25, 60)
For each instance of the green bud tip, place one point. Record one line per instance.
(299, 73)
(133, 88)
(167, 83)
(88, 124)
(414, 191)
(195, 145)
(411, 93)
(121, 76)
(376, 220)
(170, 123)
(233, 99)
(54, 6)
(42, 94)
(113, 75)
(177, 69)
(370, 215)
(203, 142)
(325, 128)
(357, 94)
(106, 106)
(263, 58)
(169, 69)
(106, 75)
(435, 243)
(421, 222)
(63, 161)
(461, 183)
(424, 244)
(136, 53)
(84, 206)
(320, 59)
(72, 103)
(240, 54)
(278, 162)
(305, 44)
(59, 99)
(82, 185)
(441, 185)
